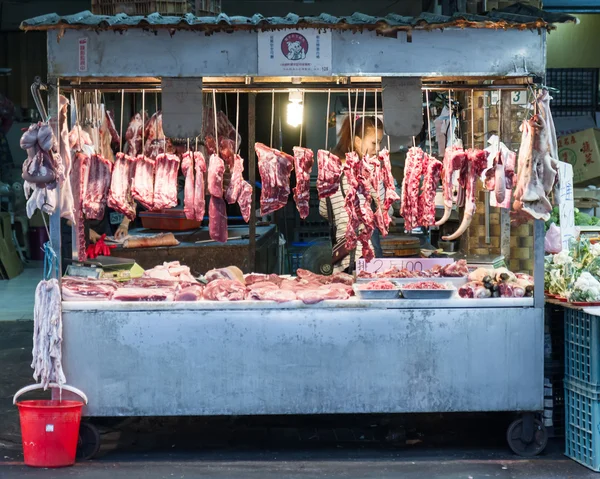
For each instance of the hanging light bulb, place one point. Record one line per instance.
(295, 109)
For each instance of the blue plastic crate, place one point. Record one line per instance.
(582, 424)
(582, 347)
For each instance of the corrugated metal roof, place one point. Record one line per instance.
(514, 17)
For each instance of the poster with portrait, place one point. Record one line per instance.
(294, 53)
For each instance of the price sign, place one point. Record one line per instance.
(518, 98)
(566, 204)
(379, 265)
(83, 54)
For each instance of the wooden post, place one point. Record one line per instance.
(505, 136)
(252, 179)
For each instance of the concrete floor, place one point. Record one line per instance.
(436, 464)
(17, 294)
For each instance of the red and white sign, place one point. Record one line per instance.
(294, 53)
(379, 265)
(83, 54)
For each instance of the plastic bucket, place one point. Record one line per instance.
(49, 428)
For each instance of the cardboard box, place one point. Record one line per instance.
(582, 151)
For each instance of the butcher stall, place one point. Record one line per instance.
(465, 334)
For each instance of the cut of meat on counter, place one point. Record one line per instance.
(303, 163)
(161, 239)
(165, 183)
(425, 285)
(454, 161)
(537, 164)
(119, 197)
(329, 172)
(191, 293)
(142, 187)
(499, 282)
(83, 289)
(143, 294)
(476, 164)
(474, 289)
(275, 168)
(230, 272)
(378, 285)
(421, 178)
(225, 290)
(173, 271)
(99, 179)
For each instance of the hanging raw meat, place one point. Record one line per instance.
(236, 182)
(330, 170)
(119, 197)
(99, 178)
(217, 223)
(454, 161)
(303, 163)
(187, 168)
(133, 136)
(199, 195)
(216, 170)
(66, 193)
(388, 182)
(79, 180)
(245, 200)
(431, 180)
(476, 164)
(142, 187)
(275, 168)
(413, 170)
(165, 181)
(537, 168)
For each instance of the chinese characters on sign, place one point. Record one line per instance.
(379, 265)
(566, 203)
(83, 54)
(294, 53)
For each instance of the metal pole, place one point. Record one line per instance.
(252, 180)
(55, 230)
(505, 134)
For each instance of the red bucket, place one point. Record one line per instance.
(49, 429)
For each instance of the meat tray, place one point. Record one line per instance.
(370, 294)
(456, 282)
(428, 293)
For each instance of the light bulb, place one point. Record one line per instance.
(295, 112)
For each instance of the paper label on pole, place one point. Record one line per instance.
(83, 54)
(566, 204)
(294, 53)
(518, 97)
(49, 427)
(379, 265)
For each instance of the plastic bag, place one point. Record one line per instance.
(553, 242)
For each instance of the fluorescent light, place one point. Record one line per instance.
(295, 109)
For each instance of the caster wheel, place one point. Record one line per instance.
(519, 446)
(88, 444)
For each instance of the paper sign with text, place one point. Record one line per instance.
(379, 265)
(566, 203)
(83, 54)
(294, 53)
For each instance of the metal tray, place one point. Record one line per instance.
(428, 293)
(371, 294)
(456, 282)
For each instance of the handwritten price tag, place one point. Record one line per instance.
(566, 203)
(379, 265)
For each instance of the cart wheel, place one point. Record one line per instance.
(520, 446)
(88, 444)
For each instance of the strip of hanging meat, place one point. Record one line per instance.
(187, 168)
(454, 161)
(119, 196)
(431, 180)
(245, 200)
(79, 180)
(165, 182)
(236, 182)
(133, 136)
(388, 182)
(413, 169)
(275, 168)
(94, 203)
(216, 170)
(199, 195)
(329, 172)
(142, 187)
(217, 219)
(303, 163)
(476, 164)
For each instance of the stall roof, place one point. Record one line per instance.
(518, 16)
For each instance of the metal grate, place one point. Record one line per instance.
(578, 91)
